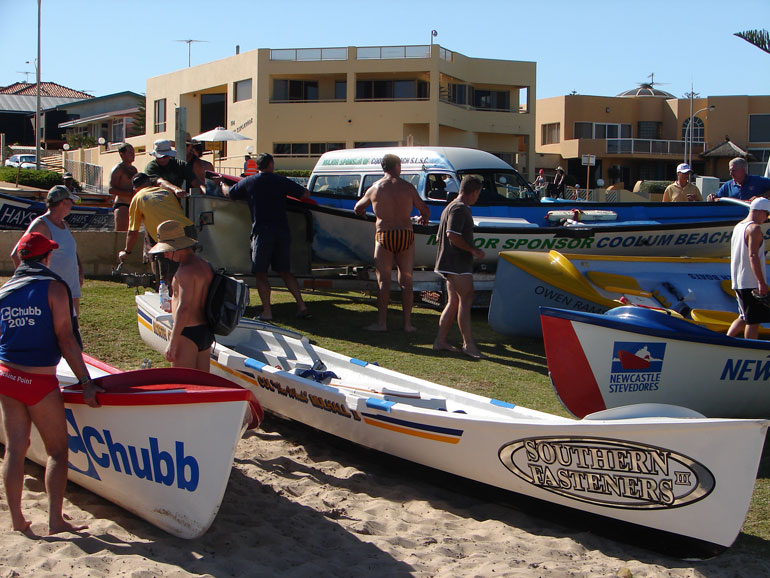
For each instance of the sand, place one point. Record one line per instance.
(300, 503)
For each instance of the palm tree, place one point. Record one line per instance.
(759, 38)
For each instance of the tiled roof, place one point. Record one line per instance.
(46, 89)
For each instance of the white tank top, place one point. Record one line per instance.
(64, 260)
(740, 264)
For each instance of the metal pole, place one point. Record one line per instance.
(37, 99)
(689, 129)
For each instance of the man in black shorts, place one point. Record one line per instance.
(747, 269)
(454, 261)
(266, 194)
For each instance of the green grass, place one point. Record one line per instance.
(516, 371)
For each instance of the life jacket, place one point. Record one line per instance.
(251, 168)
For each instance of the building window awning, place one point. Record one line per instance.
(98, 117)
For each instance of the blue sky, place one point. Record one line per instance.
(598, 47)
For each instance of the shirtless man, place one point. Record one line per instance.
(121, 186)
(392, 199)
(191, 337)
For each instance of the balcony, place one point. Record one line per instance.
(639, 146)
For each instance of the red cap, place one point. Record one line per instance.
(34, 245)
(541, 171)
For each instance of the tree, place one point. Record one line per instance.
(138, 126)
(759, 38)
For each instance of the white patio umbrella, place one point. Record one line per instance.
(220, 134)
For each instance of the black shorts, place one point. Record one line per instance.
(751, 310)
(271, 248)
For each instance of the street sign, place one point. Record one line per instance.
(588, 160)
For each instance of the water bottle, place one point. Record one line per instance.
(165, 301)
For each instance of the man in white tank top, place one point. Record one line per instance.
(747, 269)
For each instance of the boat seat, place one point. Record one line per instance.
(615, 283)
(727, 287)
(719, 320)
(642, 410)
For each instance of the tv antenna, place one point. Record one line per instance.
(189, 44)
(26, 73)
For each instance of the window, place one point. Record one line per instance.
(698, 130)
(160, 115)
(551, 133)
(117, 134)
(491, 99)
(337, 185)
(758, 166)
(599, 130)
(584, 130)
(392, 90)
(374, 144)
(648, 130)
(340, 89)
(295, 90)
(242, 90)
(303, 149)
(759, 128)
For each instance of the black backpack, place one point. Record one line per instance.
(225, 303)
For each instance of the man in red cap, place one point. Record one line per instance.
(37, 329)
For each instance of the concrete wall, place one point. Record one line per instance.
(98, 251)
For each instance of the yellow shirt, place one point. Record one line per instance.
(676, 194)
(154, 205)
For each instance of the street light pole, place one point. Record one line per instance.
(37, 100)
(689, 130)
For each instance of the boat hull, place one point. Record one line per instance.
(18, 213)
(695, 288)
(342, 237)
(163, 453)
(689, 366)
(680, 482)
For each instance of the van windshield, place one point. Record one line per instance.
(501, 186)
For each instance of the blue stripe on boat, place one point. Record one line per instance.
(254, 364)
(502, 403)
(415, 425)
(144, 316)
(355, 361)
(375, 403)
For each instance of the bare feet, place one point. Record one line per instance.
(445, 347)
(23, 526)
(376, 327)
(410, 328)
(64, 526)
(474, 353)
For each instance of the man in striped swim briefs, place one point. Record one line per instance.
(392, 200)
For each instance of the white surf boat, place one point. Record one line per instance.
(19, 212)
(161, 445)
(693, 477)
(697, 289)
(637, 355)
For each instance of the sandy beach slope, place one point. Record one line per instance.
(301, 504)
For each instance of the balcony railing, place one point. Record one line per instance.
(479, 108)
(639, 146)
(309, 54)
(388, 52)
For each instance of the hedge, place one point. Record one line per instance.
(30, 177)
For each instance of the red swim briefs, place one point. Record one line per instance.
(28, 388)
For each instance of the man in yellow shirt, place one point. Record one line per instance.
(152, 206)
(682, 190)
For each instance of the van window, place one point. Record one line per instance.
(337, 185)
(369, 180)
(501, 186)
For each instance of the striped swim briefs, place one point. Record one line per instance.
(395, 241)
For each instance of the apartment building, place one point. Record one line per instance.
(644, 133)
(299, 103)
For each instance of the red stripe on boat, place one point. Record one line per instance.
(165, 386)
(99, 364)
(571, 374)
